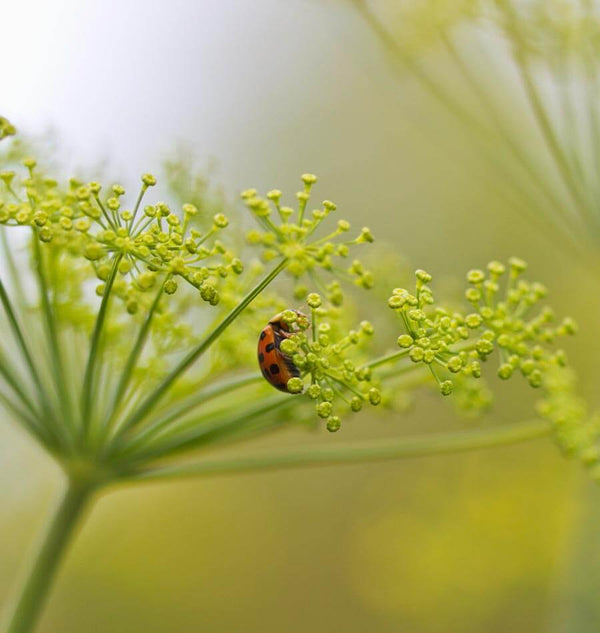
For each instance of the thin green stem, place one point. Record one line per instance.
(388, 358)
(537, 106)
(15, 382)
(137, 204)
(490, 107)
(31, 598)
(171, 415)
(135, 353)
(418, 446)
(18, 333)
(208, 429)
(146, 406)
(86, 394)
(50, 324)
(27, 421)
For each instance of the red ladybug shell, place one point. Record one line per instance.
(276, 366)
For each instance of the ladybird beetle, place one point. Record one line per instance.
(276, 366)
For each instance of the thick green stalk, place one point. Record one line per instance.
(30, 600)
(419, 446)
(157, 394)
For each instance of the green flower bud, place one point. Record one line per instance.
(423, 276)
(333, 424)
(125, 266)
(313, 300)
(45, 234)
(535, 378)
(288, 346)
(132, 306)
(475, 369)
(365, 236)
(148, 180)
(170, 286)
(475, 276)
(220, 220)
(484, 347)
(496, 268)
(447, 387)
(416, 354)
(473, 295)
(93, 251)
(505, 371)
(455, 364)
(314, 391)
(374, 396)
(324, 409)
(295, 385)
(428, 356)
(356, 404)
(473, 320)
(517, 266)
(367, 328)
(396, 302)
(328, 394)
(568, 326)
(309, 179)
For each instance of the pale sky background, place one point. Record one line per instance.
(240, 81)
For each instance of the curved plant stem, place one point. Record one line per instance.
(30, 600)
(417, 446)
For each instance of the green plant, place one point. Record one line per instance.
(129, 340)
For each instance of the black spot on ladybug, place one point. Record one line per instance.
(261, 357)
(262, 335)
(274, 368)
(270, 347)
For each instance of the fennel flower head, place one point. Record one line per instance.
(133, 323)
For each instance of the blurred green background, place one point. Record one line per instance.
(500, 540)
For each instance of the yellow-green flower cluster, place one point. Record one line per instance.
(133, 249)
(331, 361)
(576, 431)
(293, 234)
(502, 319)
(6, 128)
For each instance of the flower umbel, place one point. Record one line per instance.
(290, 234)
(452, 343)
